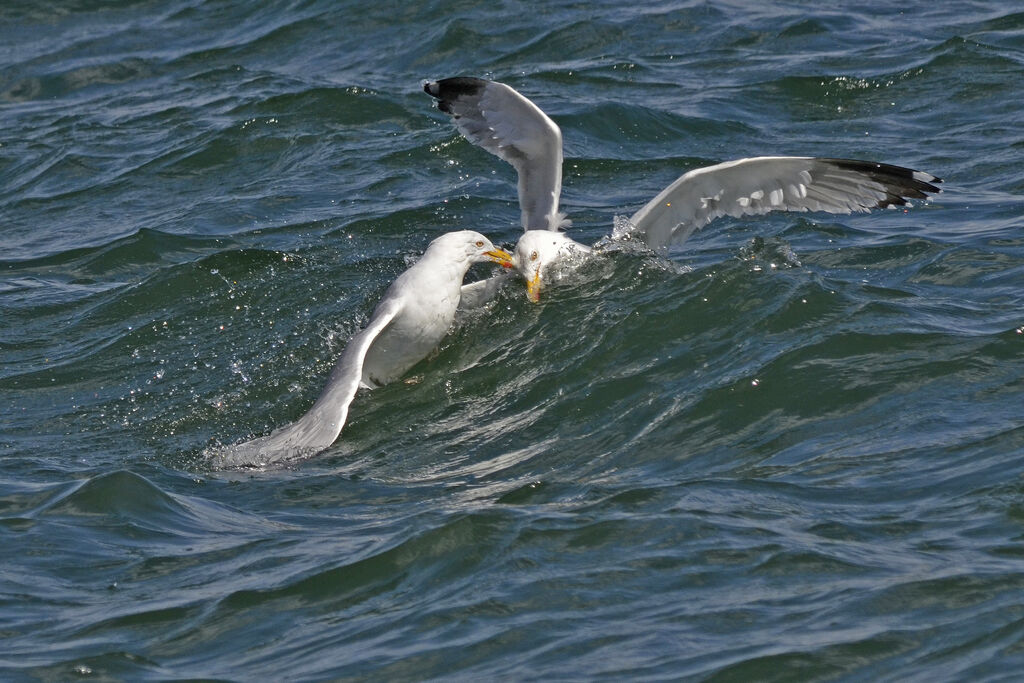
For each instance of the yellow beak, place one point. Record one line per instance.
(533, 287)
(501, 257)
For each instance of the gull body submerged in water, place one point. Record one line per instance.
(505, 123)
(411, 319)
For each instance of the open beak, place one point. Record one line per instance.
(501, 257)
(533, 287)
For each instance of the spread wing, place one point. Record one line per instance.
(761, 184)
(317, 429)
(506, 124)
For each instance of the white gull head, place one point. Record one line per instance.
(537, 255)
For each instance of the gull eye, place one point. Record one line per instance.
(479, 243)
(533, 256)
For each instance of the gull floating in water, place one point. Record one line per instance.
(415, 314)
(505, 123)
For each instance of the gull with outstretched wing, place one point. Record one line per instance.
(505, 123)
(412, 318)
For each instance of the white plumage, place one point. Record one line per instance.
(414, 315)
(507, 124)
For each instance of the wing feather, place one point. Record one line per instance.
(321, 425)
(480, 293)
(759, 185)
(503, 122)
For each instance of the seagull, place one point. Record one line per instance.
(414, 315)
(499, 119)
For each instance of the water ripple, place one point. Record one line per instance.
(789, 449)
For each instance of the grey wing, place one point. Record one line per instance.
(761, 184)
(496, 117)
(479, 293)
(320, 426)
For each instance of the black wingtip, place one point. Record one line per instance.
(453, 88)
(900, 183)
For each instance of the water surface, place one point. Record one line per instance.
(792, 450)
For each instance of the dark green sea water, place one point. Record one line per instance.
(792, 450)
